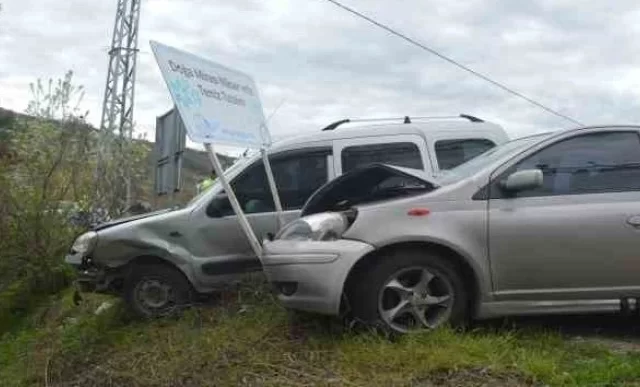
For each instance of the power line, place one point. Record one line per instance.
(455, 63)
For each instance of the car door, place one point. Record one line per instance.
(407, 150)
(218, 244)
(578, 235)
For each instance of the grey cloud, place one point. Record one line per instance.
(574, 56)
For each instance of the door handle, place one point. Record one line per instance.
(634, 221)
(175, 234)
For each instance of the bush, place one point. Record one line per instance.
(49, 174)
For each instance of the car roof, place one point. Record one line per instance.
(606, 127)
(561, 132)
(419, 128)
(545, 136)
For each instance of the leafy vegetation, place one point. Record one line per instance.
(51, 170)
(244, 337)
(40, 167)
(47, 171)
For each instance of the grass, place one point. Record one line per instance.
(246, 338)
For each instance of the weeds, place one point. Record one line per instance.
(48, 173)
(243, 337)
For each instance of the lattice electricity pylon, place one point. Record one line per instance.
(117, 110)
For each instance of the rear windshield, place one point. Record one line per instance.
(451, 153)
(401, 154)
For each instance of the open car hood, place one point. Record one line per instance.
(372, 183)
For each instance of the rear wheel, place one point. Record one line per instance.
(408, 290)
(156, 290)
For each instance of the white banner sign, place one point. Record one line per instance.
(217, 104)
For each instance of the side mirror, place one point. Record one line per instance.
(523, 180)
(219, 206)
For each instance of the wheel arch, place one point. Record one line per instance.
(152, 258)
(462, 262)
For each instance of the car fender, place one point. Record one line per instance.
(458, 225)
(157, 237)
(482, 291)
(474, 264)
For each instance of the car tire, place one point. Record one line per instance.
(409, 289)
(156, 290)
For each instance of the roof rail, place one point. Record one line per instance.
(471, 118)
(405, 120)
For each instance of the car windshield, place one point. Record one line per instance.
(487, 158)
(239, 164)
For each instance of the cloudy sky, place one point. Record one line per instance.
(578, 57)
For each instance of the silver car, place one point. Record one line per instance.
(543, 224)
(158, 260)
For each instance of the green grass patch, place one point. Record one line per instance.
(246, 338)
(19, 299)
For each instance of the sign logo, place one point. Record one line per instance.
(216, 103)
(184, 94)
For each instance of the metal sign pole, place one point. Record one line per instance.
(242, 218)
(235, 119)
(272, 186)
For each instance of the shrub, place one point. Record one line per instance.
(48, 174)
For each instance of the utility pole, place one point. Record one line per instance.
(116, 124)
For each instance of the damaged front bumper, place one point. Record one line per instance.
(91, 277)
(310, 275)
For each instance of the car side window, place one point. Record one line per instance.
(451, 153)
(590, 163)
(297, 177)
(401, 154)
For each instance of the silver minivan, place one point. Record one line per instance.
(157, 261)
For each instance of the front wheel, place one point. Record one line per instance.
(408, 290)
(156, 290)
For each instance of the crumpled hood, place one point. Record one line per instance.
(374, 182)
(130, 219)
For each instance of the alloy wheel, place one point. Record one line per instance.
(415, 298)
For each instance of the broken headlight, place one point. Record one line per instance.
(326, 226)
(85, 243)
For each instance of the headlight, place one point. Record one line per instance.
(326, 226)
(85, 243)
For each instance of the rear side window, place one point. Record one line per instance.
(451, 153)
(401, 154)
